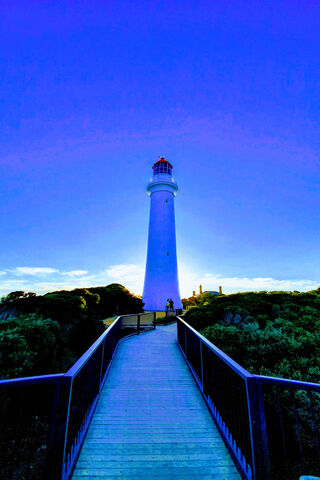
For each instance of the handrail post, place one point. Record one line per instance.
(101, 364)
(201, 359)
(258, 429)
(154, 319)
(138, 323)
(59, 426)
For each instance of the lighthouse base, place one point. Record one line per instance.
(158, 302)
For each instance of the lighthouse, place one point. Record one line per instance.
(161, 277)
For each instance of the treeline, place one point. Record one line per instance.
(42, 334)
(268, 333)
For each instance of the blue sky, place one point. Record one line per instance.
(92, 93)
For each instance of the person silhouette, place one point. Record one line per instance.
(167, 305)
(171, 305)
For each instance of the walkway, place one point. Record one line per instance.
(151, 421)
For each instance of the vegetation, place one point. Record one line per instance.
(274, 334)
(47, 333)
(268, 333)
(163, 320)
(198, 300)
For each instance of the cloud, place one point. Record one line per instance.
(76, 273)
(125, 271)
(20, 271)
(130, 275)
(8, 286)
(43, 279)
(260, 283)
(209, 281)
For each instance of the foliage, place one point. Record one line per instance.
(164, 320)
(273, 334)
(269, 333)
(28, 343)
(197, 300)
(47, 333)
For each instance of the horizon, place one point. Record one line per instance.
(122, 271)
(94, 93)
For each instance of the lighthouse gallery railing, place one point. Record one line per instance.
(43, 420)
(270, 425)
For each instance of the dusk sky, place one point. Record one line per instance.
(92, 92)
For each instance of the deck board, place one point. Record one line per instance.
(151, 421)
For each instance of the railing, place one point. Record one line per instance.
(138, 321)
(27, 426)
(43, 420)
(292, 413)
(270, 425)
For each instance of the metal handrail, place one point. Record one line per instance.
(79, 364)
(238, 401)
(37, 379)
(287, 382)
(104, 350)
(67, 399)
(240, 405)
(232, 364)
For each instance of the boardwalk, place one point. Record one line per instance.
(151, 421)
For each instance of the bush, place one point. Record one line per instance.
(276, 333)
(47, 333)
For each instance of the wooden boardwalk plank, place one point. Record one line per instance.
(151, 421)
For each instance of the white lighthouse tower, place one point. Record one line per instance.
(161, 277)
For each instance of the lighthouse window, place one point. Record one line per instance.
(167, 254)
(162, 168)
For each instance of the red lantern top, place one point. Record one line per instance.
(162, 166)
